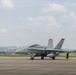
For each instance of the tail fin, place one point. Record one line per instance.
(59, 45)
(50, 43)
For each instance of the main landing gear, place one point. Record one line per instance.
(42, 57)
(53, 58)
(32, 58)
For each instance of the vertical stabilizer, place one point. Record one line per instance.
(50, 43)
(59, 45)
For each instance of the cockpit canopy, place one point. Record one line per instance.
(35, 45)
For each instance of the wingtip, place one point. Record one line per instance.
(63, 38)
(50, 39)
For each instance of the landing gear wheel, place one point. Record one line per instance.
(32, 58)
(42, 57)
(53, 58)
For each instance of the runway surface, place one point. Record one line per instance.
(25, 66)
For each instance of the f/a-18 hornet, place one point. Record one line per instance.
(44, 51)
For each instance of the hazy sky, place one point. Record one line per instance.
(24, 22)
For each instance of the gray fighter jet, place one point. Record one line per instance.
(44, 51)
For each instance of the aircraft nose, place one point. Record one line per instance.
(21, 51)
(17, 51)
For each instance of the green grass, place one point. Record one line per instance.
(26, 55)
(70, 55)
(14, 55)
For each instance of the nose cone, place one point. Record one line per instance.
(18, 51)
(23, 51)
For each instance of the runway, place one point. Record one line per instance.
(25, 66)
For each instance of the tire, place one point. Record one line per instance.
(53, 58)
(42, 57)
(32, 58)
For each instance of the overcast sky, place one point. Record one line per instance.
(24, 22)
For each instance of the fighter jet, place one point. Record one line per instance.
(45, 51)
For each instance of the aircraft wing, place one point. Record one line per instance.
(51, 50)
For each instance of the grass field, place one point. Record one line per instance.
(26, 55)
(14, 55)
(70, 55)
